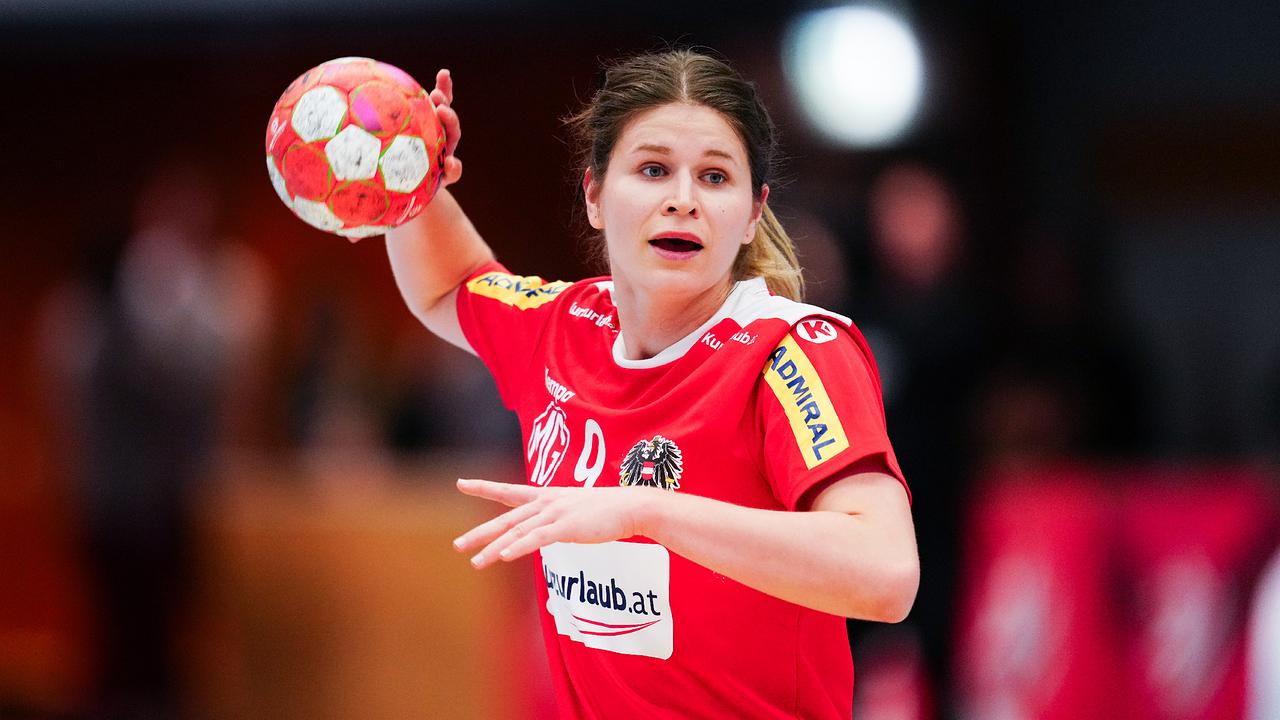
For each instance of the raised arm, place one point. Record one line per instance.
(433, 253)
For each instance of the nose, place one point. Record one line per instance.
(682, 200)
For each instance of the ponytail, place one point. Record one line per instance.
(771, 255)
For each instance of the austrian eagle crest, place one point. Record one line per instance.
(653, 463)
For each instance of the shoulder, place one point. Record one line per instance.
(818, 346)
(809, 342)
(755, 304)
(782, 322)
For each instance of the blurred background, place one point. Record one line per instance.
(227, 449)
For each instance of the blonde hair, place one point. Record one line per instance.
(640, 83)
(771, 255)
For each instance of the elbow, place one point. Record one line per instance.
(901, 595)
(894, 596)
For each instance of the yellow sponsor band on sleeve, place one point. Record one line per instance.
(798, 388)
(524, 293)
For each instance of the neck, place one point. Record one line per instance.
(653, 322)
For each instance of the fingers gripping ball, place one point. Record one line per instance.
(354, 147)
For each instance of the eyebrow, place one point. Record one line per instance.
(664, 150)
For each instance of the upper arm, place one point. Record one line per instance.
(430, 257)
(878, 502)
(442, 319)
(880, 499)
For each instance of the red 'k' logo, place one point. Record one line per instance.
(816, 331)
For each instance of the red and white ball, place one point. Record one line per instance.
(354, 147)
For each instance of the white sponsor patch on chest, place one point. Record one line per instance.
(612, 596)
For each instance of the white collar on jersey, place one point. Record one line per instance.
(747, 302)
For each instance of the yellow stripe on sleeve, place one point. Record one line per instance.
(798, 388)
(524, 293)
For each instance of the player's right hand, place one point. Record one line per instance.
(442, 98)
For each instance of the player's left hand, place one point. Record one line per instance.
(544, 515)
(442, 99)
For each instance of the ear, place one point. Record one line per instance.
(757, 211)
(591, 193)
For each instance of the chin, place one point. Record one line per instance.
(674, 283)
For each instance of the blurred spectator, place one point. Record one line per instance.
(443, 398)
(146, 354)
(359, 398)
(928, 338)
(334, 405)
(1059, 382)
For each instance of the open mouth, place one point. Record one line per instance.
(676, 244)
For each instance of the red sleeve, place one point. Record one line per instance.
(820, 410)
(503, 317)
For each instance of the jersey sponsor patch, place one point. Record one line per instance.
(518, 291)
(816, 330)
(611, 596)
(813, 419)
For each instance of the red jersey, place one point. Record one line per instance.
(764, 401)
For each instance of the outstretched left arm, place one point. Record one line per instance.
(853, 553)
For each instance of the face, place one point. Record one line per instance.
(676, 203)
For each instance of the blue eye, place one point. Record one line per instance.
(652, 171)
(715, 177)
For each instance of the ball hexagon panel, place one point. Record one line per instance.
(405, 163)
(319, 113)
(353, 154)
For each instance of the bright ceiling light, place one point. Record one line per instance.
(857, 72)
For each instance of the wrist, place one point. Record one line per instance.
(648, 511)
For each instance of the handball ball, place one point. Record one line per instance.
(354, 147)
